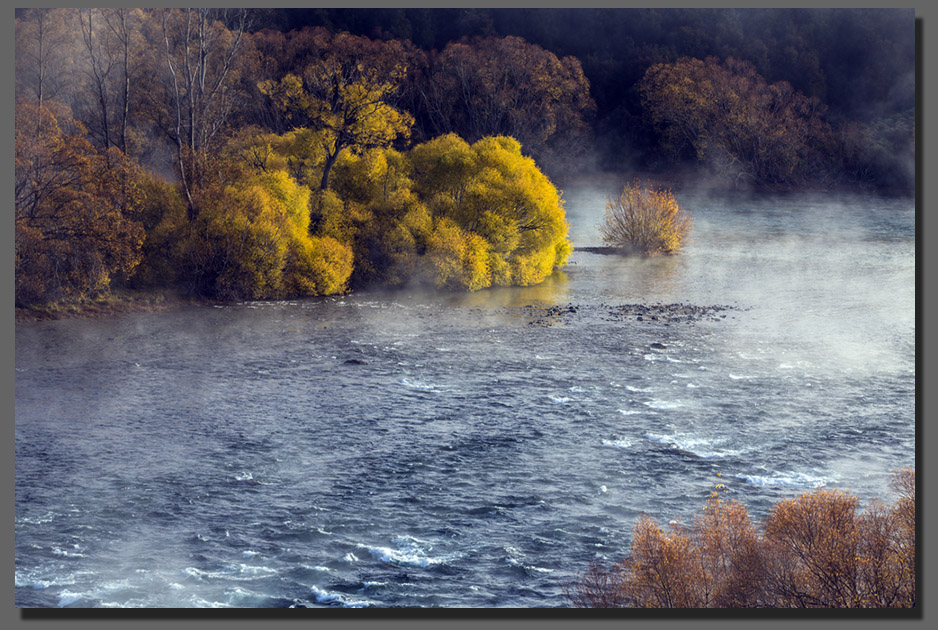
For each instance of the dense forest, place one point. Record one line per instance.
(248, 154)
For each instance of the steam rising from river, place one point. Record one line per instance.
(419, 449)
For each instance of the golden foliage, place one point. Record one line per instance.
(491, 190)
(645, 221)
(251, 240)
(446, 213)
(345, 96)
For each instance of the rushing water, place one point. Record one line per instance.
(405, 449)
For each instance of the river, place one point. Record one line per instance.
(419, 449)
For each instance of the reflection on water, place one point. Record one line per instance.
(555, 289)
(634, 278)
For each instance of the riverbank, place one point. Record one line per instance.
(122, 301)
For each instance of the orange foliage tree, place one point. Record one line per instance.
(731, 119)
(818, 550)
(74, 209)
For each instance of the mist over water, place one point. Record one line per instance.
(421, 449)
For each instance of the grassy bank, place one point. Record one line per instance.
(115, 302)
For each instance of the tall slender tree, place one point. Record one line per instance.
(202, 48)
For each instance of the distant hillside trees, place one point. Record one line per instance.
(489, 86)
(726, 115)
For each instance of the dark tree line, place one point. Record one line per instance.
(859, 62)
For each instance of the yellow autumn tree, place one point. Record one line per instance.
(493, 191)
(347, 96)
(251, 240)
(444, 213)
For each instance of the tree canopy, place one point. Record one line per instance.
(408, 136)
(732, 120)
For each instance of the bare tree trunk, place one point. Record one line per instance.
(117, 23)
(198, 87)
(178, 135)
(99, 73)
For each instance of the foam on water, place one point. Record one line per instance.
(516, 558)
(791, 480)
(48, 517)
(663, 404)
(618, 443)
(704, 447)
(34, 581)
(326, 597)
(410, 551)
(237, 572)
(66, 553)
(420, 385)
(67, 598)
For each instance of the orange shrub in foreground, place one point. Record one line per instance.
(818, 550)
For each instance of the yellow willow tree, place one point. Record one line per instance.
(489, 189)
(252, 241)
(347, 95)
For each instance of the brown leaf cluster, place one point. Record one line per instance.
(818, 550)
